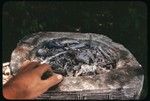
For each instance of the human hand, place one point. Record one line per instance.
(27, 84)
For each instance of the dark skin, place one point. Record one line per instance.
(27, 83)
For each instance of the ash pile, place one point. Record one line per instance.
(72, 57)
(90, 63)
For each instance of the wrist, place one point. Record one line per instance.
(12, 91)
(8, 92)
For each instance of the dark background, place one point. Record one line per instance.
(124, 22)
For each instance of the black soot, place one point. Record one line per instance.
(73, 57)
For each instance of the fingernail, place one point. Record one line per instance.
(59, 77)
(35, 60)
(27, 61)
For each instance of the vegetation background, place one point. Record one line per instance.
(124, 22)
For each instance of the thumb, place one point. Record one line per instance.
(25, 63)
(53, 80)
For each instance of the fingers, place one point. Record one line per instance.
(29, 66)
(53, 80)
(24, 64)
(42, 68)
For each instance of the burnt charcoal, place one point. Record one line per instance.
(41, 52)
(69, 42)
(123, 54)
(55, 66)
(88, 62)
(83, 56)
(77, 46)
(108, 67)
(58, 69)
(53, 44)
(71, 54)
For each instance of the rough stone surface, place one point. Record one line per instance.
(93, 66)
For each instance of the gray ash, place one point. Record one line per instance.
(91, 64)
(67, 56)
